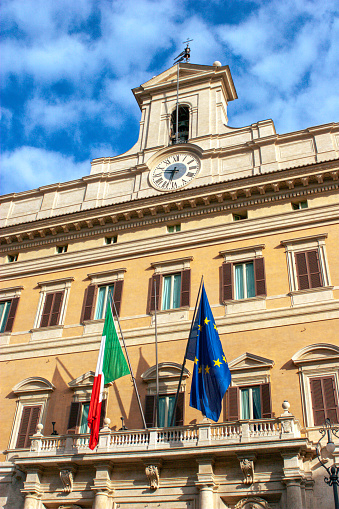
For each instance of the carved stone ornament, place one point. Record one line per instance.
(252, 503)
(152, 473)
(247, 467)
(286, 426)
(66, 477)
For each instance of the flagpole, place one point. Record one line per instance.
(128, 360)
(156, 356)
(177, 124)
(183, 364)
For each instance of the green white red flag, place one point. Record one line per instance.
(110, 366)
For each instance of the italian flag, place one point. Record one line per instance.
(111, 365)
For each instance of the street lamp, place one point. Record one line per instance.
(333, 479)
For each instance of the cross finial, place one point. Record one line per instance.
(184, 55)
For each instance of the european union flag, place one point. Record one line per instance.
(211, 374)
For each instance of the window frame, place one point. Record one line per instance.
(11, 295)
(320, 360)
(169, 268)
(52, 287)
(99, 279)
(235, 257)
(30, 392)
(169, 375)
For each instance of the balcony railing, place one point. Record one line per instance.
(199, 435)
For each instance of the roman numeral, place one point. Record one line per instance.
(176, 158)
(190, 174)
(159, 181)
(192, 167)
(192, 161)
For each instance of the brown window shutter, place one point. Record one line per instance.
(103, 413)
(302, 273)
(47, 310)
(331, 404)
(185, 287)
(11, 315)
(324, 400)
(266, 407)
(233, 403)
(151, 299)
(74, 416)
(179, 413)
(149, 410)
(88, 305)
(260, 281)
(29, 420)
(56, 308)
(227, 281)
(314, 269)
(117, 295)
(317, 401)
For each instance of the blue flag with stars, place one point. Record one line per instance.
(211, 374)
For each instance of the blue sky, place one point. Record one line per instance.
(68, 68)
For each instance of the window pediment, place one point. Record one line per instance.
(84, 380)
(320, 352)
(34, 385)
(167, 370)
(249, 361)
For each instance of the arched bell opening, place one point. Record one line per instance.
(183, 125)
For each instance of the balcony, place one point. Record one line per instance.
(265, 433)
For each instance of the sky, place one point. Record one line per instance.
(68, 67)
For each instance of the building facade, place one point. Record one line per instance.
(253, 212)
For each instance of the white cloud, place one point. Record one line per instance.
(30, 167)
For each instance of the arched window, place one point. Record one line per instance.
(183, 125)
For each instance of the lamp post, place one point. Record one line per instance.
(333, 479)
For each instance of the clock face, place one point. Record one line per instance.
(175, 171)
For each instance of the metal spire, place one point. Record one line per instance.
(184, 55)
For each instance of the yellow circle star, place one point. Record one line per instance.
(196, 360)
(216, 328)
(200, 327)
(206, 321)
(207, 369)
(217, 363)
(224, 358)
(200, 369)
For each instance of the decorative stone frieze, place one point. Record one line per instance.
(247, 467)
(252, 503)
(66, 476)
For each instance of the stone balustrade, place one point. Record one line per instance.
(199, 435)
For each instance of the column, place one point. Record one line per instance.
(293, 494)
(205, 482)
(32, 488)
(102, 486)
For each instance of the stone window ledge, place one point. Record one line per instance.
(170, 315)
(311, 295)
(245, 305)
(53, 332)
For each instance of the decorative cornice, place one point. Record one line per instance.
(228, 232)
(200, 200)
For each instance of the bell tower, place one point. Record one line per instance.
(203, 95)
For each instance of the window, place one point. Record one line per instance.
(183, 125)
(300, 205)
(319, 382)
(111, 240)
(174, 228)
(62, 249)
(169, 374)
(52, 304)
(240, 216)
(52, 307)
(29, 422)
(308, 271)
(12, 258)
(104, 296)
(103, 284)
(251, 402)
(172, 280)
(171, 293)
(324, 400)
(243, 280)
(33, 394)
(78, 413)
(9, 300)
(249, 397)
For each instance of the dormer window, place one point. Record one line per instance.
(183, 125)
